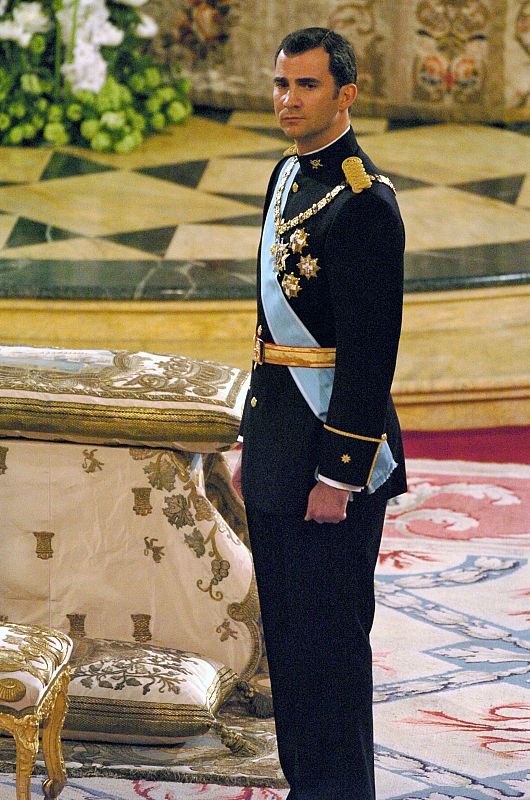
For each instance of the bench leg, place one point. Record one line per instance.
(51, 741)
(26, 734)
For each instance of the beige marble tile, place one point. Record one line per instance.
(214, 241)
(524, 195)
(366, 126)
(253, 119)
(237, 176)
(113, 202)
(259, 119)
(450, 153)
(23, 164)
(441, 216)
(7, 222)
(78, 250)
(197, 139)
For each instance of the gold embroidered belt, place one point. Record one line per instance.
(286, 356)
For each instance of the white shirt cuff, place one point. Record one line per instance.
(240, 438)
(339, 485)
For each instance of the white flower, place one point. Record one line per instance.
(10, 30)
(88, 70)
(31, 17)
(133, 3)
(147, 27)
(3, 6)
(108, 35)
(28, 18)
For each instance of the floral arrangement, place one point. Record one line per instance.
(81, 72)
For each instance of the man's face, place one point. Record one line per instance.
(306, 102)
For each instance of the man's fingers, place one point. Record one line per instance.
(320, 518)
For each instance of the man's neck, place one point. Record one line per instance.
(303, 152)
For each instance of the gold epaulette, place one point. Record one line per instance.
(356, 174)
(291, 150)
(358, 178)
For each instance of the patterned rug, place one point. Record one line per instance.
(117, 789)
(451, 654)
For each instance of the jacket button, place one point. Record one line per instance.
(254, 402)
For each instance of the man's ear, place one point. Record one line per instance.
(347, 95)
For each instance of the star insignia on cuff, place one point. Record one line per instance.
(346, 458)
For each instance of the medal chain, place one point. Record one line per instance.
(281, 225)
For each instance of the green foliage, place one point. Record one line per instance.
(38, 106)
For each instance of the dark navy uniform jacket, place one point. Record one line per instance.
(354, 303)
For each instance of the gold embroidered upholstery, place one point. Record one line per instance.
(43, 654)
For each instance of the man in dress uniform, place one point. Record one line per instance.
(322, 448)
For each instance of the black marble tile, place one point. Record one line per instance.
(250, 219)
(155, 241)
(467, 267)
(522, 127)
(64, 165)
(188, 173)
(274, 133)
(217, 114)
(506, 189)
(402, 183)
(204, 280)
(62, 279)
(249, 199)
(27, 231)
(402, 124)
(218, 279)
(135, 280)
(8, 183)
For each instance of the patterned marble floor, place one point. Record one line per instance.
(179, 218)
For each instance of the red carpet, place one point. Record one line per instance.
(499, 445)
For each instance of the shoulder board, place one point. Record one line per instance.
(291, 150)
(359, 179)
(356, 174)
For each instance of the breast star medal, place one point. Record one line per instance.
(280, 250)
(291, 285)
(298, 240)
(308, 266)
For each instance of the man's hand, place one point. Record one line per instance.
(327, 503)
(236, 476)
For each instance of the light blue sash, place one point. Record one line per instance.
(286, 328)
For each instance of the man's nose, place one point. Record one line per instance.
(291, 98)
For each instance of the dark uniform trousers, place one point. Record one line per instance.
(316, 581)
(317, 603)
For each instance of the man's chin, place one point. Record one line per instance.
(293, 128)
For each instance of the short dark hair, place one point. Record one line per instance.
(342, 61)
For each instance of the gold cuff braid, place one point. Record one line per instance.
(356, 435)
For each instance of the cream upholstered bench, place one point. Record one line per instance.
(34, 677)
